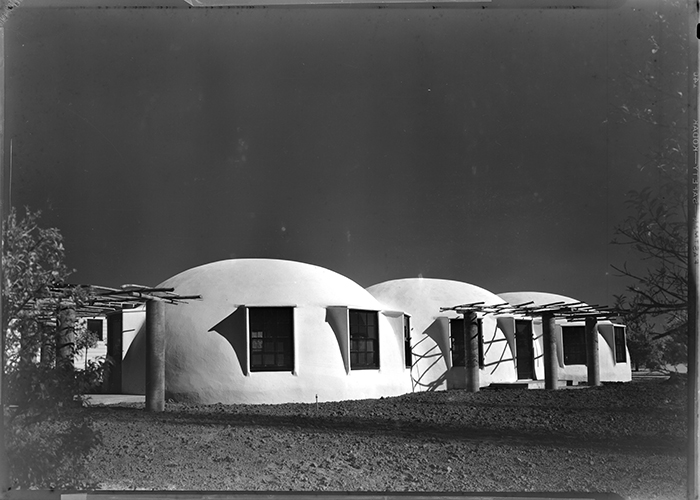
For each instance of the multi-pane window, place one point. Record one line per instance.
(457, 342)
(407, 340)
(271, 338)
(574, 340)
(94, 326)
(364, 339)
(620, 352)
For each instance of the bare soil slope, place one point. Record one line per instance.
(624, 438)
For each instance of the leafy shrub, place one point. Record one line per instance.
(50, 453)
(47, 437)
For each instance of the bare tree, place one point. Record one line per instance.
(657, 227)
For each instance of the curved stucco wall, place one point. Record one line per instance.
(610, 370)
(421, 299)
(206, 338)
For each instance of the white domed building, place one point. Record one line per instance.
(436, 338)
(613, 356)
(273, 331)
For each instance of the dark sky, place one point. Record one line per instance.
(480, 145)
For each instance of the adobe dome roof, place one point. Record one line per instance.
(270, 282)
(425, 296)
(539, 298)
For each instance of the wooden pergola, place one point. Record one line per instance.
(67, 302)
(549, 313)
(102, 300)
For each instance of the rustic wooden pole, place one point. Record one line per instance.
(46, 351)
(115, 330)
(551, 366)
(471, 351)
(155, 355)
(592, 360)
(26, 348)
(65, 338)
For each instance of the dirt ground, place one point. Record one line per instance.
(628, 439)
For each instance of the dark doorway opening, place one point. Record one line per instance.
(525, 360)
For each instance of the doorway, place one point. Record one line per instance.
(525, 359)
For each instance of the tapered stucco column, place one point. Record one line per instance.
(551, 366)
(592, 361)
(115, 330)
(65, 338)
(471, 351)
(155, 355)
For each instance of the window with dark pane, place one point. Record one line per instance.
(271, 338)
(574, 339)
(457, 342)
(364, 339)
(94, 326)
(407, 340)
(620, 352)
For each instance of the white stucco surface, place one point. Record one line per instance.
(203, 365)
(422, 298)
(132, 322)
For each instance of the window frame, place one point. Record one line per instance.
(579, 354)
(287, 348)
(374, 341)
(100, 332)
(620, 354)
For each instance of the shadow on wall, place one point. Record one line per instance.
(233, 329)
(438, 331)
(502, 358)
(441, 352)
(488, 344)
(434, 384)
(134, 364)
(337, 319)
